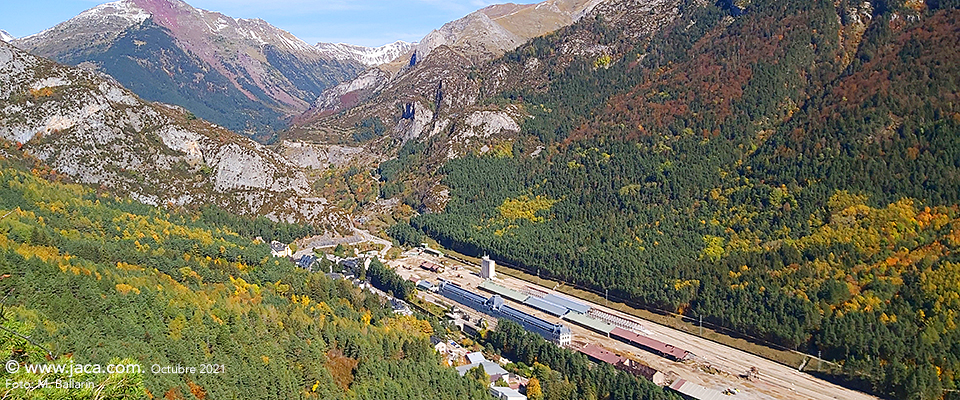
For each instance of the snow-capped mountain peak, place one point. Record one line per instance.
(6, 37)
(105, 17)
(118, 9)
(369, 56)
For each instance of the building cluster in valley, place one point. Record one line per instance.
(494, 305)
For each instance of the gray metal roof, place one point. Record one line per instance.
(546, 306)
(573, 305)
(490, 367)
(507, 392)
(306, 261)
(588, 322)
(476, 357)
(696, 391)
(511, 294)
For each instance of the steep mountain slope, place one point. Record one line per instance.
(6, 37)
(93, 278)
(243, 74)
(438, 89)
(369, 56)
(92, 129)
(491, 31)
(788, 170)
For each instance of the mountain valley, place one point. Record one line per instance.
(786, 173)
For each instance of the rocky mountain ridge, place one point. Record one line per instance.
(493, 30)
(6, 37)
(369, 56)
(87, 126)
(438, 91)
(244, 74)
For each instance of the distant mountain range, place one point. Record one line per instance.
(369, 56)
(438, 75)
(256, 79)
(244, 74)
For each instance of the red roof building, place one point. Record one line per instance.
(650, 344)
(600, 354)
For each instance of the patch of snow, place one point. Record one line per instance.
(220, 25)
(253, 35)
(124, 11)
(293, 42)
(6, 37)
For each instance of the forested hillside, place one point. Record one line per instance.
(789, 171)
(91, 278)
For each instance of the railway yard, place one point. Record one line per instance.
(713, 369)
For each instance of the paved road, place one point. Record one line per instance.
(359, 236)
(370, 238)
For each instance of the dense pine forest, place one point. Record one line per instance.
(87, 277)
(790, 171)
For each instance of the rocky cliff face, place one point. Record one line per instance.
(87, 126)
(408, 104)
(243, 74)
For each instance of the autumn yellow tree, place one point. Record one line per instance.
(534, 391)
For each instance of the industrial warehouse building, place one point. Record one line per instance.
(589, 323)
(494, 307)
(651, 345)
(504, 292)
(572, 305)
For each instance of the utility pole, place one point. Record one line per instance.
(818, 360)
(606, 296)
(701, 324)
